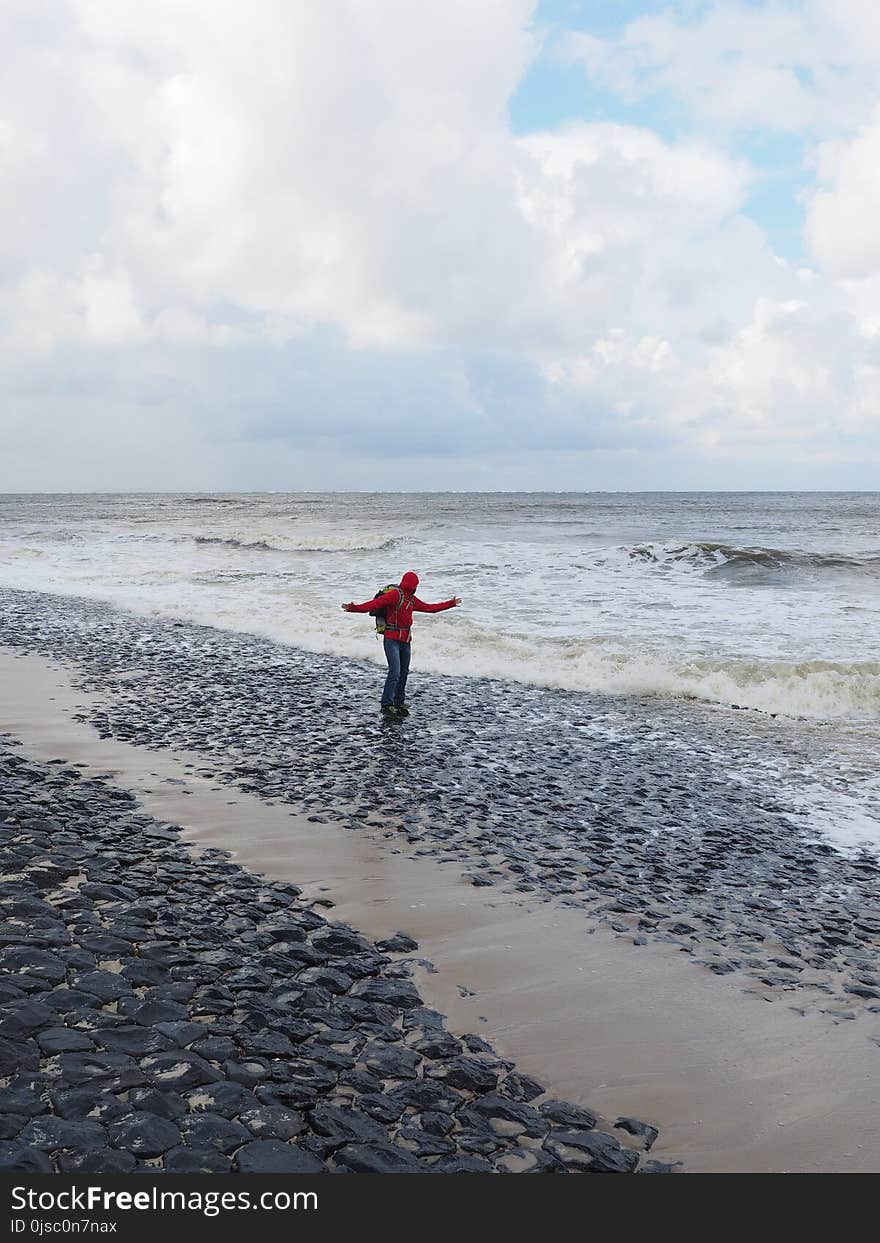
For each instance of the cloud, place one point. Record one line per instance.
(841, 224)
(776, 66)
(264, 233)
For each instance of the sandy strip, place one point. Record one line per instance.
(735, 1083)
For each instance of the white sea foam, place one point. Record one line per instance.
(311, 541)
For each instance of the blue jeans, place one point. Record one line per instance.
(397, 654)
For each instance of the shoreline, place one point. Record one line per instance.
(534, 1019)
(667, 829)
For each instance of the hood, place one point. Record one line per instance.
(409, 582)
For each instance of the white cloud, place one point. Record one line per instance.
(196, 179)
(772, 66)
(842, 217)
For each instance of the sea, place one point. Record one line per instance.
(766, 603)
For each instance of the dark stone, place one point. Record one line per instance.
(17, 1157)
(861, 990)
(422, 1017)
(64, 1040)
(248, 1073)
(527, 1161)
(461, 1163)
(108, 1068)
(139, 973)
(294, 1095)
(592, 1151)
(164, 1104)
(105, 946)
(90, 1018)
(17, 1055)
(144, 1134)
(522, 1087)
(346, 1125)
(65, 1000)
(378, 1159)
(272, 1156)
(178, 1069)
(196, 1161)
(437, 1045)
(391, 1061)
(467, 1073)
(85, 1102)
(96, 1161)
(568, 1115)
(527, 1119)
(134, 1040)
(643, 1130)
(9, 992)
(436, 1123)
(23, 1018)
(266, 1044)
(273, 1122)
(336, 939)
(216, 1048)
(476, 1044)
(36, 963)
(26, 1094)
(326, 977)
(398, 993)
(426, 1094)
(400, 943)
(106, 893)
(204, 1130)
(48, 1133)
(181, 1033)
(360, 1080)
(105, 985)
(481, 1140)
(382, 1108)
(223, 1098)
(149, 1013)
(424, 1143)
(167, 953)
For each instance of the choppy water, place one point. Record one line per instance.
(767, 601)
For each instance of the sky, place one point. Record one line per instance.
(488, 244)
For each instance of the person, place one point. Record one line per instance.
(399, 605)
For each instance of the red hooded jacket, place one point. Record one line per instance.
(398, 624)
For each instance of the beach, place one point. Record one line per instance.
(621, 937)
(439, 606)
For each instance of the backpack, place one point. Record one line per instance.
(379, 614)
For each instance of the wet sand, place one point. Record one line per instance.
(735, 1083)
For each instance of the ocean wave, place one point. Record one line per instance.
(813, 690)
(205, 500)
(306, 544)
(720, 559)
(19, 552)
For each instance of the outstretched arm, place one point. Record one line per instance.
(386, 599)
(419, 606)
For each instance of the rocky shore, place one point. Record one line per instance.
(660, 828)
(169, 1012)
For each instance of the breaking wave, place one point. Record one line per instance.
(284, 543)
(718, 558)
(814, 689)
(12, 552)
